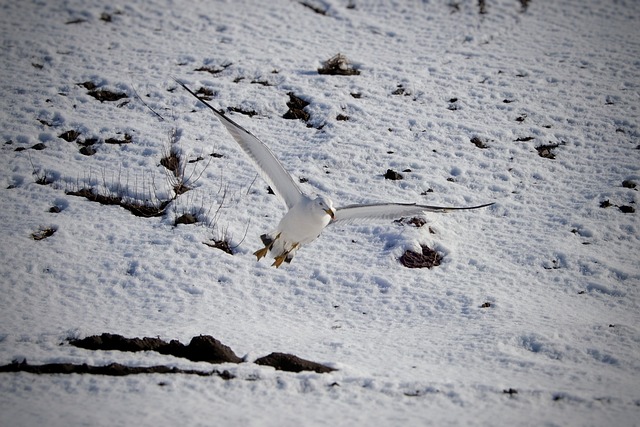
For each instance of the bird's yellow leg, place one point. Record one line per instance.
(283, 256)
(279, 260)
(261, 253)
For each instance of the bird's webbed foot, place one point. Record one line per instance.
(285, 256)
(268, 242)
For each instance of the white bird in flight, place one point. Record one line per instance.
(307, 215)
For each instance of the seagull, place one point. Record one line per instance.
(307, 215)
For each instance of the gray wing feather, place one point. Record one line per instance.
(265, 162)
(391, 210)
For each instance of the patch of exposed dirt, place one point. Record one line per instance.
(126, 139)
(427, 259)
(291, 363)
(113, 369)
(223, 245)
(546, 151)
(214, 70)
(70, 135)
(296, 108)
(392, 175)
(479, 142)
(136, 208)
(43, 233)
(338, 65)
(203, 348)
(103, 95)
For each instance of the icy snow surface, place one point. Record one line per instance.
(558, 269)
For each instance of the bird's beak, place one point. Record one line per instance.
(331, 213)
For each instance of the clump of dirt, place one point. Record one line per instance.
(204, 93)
(43, 233)
(316, 9)
(546, 151)
(113, 369)
(126, 139)
(296, 108)
(103, 95)
(214, 70)
(427, 259)
(223, 245)
(70, 135)
(186, 219)
(478, 142)
(291, 363)
(203, 348)
(136, 208)
(338, 65)
(415, 221)
(249, 113)
(392, 175)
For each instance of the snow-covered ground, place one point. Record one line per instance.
(559, 271)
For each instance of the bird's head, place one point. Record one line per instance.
(326, 205)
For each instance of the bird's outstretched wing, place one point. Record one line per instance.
(391, 210)
(265, 162)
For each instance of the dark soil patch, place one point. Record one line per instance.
(482, 7)
(214, 70)
(427, 259)
(204, 93)
(76, 21)
(546, 151)
(338, 65)
(87, 151)
(400, 90)
(314, 8)
(627, 183)
(392, 175)
(43, 233)
(296, 108)
(415, 221)
(103, 95)
(291, 363)
(261, 82)
(478, 142)
(126, 139)
(89, 85)
(524, 139)
(70, 135)
(249, 113)
(203, 348)
(113, 369)
(186, 219)
(171, 162)
(136, 208)
(43, 179)
(223, 245)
